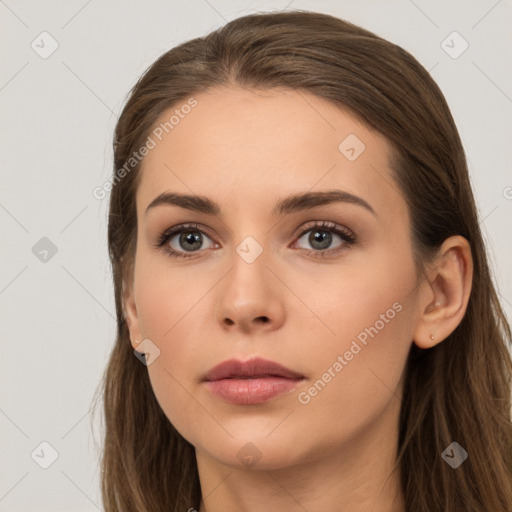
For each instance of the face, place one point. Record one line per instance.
(325, 286)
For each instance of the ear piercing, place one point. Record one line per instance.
(432, 337)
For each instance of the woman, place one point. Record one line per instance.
(299, 271)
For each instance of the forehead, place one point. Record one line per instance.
(250, 147)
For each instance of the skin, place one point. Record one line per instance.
(246, 149)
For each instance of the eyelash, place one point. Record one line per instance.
(347, 236)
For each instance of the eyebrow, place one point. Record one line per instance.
(290, 204)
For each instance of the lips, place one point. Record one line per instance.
(251, 382)
(251, 369)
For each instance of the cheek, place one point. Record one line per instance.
(357, 352)
(355, 381)
(368, 291)
(370, 311)
(168, 305)
(166, 296)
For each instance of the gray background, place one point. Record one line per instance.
(57, 118)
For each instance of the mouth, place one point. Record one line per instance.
(251, 382)
(250, 369)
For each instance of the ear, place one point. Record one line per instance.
(445, 292)
(130, 311)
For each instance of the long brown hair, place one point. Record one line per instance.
(459, 390)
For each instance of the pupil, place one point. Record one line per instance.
(322, 237)
(190, 240)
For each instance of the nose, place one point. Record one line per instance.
(250, 297)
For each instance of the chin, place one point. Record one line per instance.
(258, 451)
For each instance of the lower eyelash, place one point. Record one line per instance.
(330, 227)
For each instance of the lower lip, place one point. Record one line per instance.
(251, 391)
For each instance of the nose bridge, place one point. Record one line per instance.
(251, 249)
(249, 266)
(248, 296)
(250, 234)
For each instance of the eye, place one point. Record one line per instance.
(180, 240)
(320, 237)
(186, 239)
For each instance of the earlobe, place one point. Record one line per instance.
(447, 291)
(131, 316)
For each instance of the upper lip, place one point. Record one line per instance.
(252, 368)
